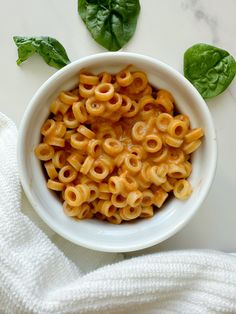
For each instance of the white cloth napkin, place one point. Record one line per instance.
(36, 277)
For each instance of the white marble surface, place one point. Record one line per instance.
(166, 28)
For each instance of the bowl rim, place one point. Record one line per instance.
(59, 228)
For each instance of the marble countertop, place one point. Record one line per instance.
(166, 28)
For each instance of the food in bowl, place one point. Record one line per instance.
(115, 148)
(93, 233)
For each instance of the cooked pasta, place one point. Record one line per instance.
(114, 148)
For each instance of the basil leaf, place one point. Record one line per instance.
(49, 48)
(209, 69)
(111, 22)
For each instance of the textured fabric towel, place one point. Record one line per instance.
(35, 276)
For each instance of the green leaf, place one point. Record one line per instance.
(48, 48)
(111, 22)
(209, 69)
(25, 49)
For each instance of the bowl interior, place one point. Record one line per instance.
(101, 235)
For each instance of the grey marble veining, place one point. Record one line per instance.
(202, 13)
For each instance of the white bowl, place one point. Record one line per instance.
(96, 234)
